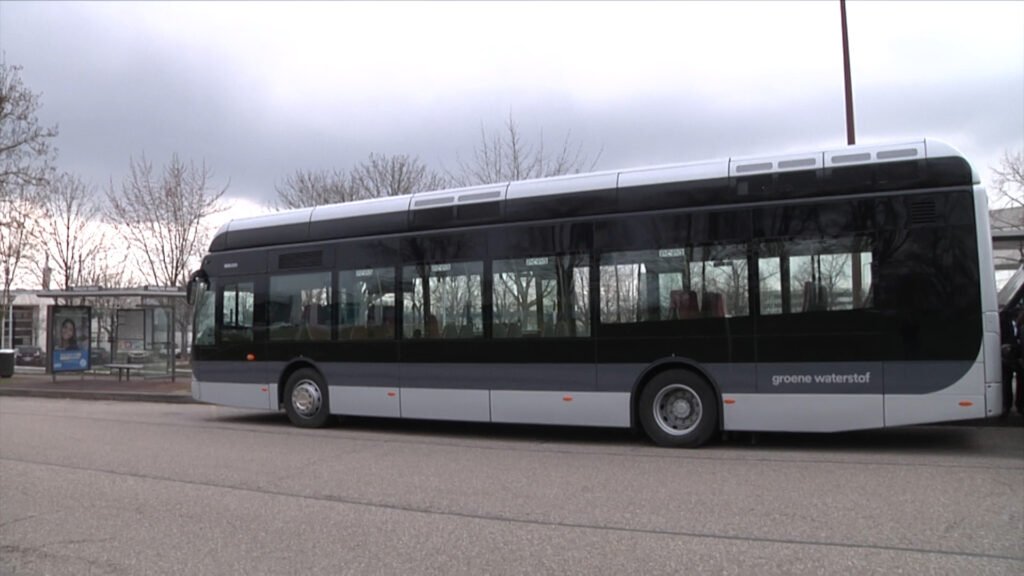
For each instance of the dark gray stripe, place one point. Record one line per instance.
(745, 378)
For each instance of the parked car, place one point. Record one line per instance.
(28, 356)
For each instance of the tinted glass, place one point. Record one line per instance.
(300, 306)
(443, 300)
(542, 296)
(366, 301)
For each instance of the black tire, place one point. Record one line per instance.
(306, 399)
(678, 409)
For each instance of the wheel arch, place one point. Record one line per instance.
(664, 365)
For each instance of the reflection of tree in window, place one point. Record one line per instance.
(443, 300)
(541, 296)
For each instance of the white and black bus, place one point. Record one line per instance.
(827, 291)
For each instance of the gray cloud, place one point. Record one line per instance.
(116, 92)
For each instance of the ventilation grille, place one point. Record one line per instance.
(923, 212)
(300, 260)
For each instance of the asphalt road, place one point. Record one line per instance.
(91, 487)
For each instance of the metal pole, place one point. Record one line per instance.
(850, 137)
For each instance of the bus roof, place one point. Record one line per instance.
(567, 196)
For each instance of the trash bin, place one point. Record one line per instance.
(6, 363)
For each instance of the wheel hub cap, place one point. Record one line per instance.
(677, 409)
(306, 399)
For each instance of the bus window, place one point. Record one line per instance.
(236, 319)
(299, 306)
(544, 296)
(205, 314)
(366, 300)
(674, 284)
(443, 300)
(803, 275)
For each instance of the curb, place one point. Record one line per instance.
(99, 395)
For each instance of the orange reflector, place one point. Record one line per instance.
(264, 389)
(730, 401)
(250, 357)
(966, 403)
(566, 398)
(392, 394)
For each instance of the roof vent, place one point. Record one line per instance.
(897, 154)
(757, 167)
(430, 202)
(850, 158)
(798, 163)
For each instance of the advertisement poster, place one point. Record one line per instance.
(69, 332)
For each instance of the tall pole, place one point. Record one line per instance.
(850, 138)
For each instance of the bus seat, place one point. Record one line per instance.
(515, 331)
(430, 327)
(450, 331)
(683, 304)
(714, 305)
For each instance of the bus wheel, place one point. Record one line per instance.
(678, 409)
(305, 399)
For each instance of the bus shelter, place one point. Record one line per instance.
(134, 331)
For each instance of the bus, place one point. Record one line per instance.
(826, 291)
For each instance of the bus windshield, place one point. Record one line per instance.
(200, 295)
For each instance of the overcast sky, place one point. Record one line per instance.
(258, 90)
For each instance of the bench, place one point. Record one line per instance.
(124, 369)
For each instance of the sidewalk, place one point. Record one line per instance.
(100, 386)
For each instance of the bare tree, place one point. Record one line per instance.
(509, 156)
(69, 232)
(1008, 179)
(376, 177)
(163, 218)
(16, 233)
(26, 156)
(313, 188)
(382, 175)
